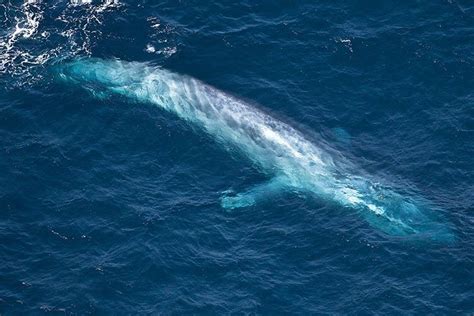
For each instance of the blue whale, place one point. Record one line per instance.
(289, 159)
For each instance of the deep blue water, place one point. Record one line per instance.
(112, 207)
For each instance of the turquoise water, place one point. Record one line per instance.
(115, 202)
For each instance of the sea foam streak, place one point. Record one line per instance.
(290, 160)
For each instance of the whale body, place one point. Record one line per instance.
(289, 159)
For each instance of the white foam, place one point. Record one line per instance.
(150, 48)
(26, 42)
(168, 51)
(25, 27)
(348, 43)
(80, 2)
(160, 38)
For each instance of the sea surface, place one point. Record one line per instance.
(113, 207)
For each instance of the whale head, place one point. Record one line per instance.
(106, 77)
(111, 72)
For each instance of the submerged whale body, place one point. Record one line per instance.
(291, 161)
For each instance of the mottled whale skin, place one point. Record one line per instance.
(290, 160)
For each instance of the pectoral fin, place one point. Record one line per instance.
(257, 193)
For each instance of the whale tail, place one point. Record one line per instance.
(395, 214)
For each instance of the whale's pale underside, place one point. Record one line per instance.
(285, 155)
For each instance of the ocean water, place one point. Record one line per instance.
(113, 206)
